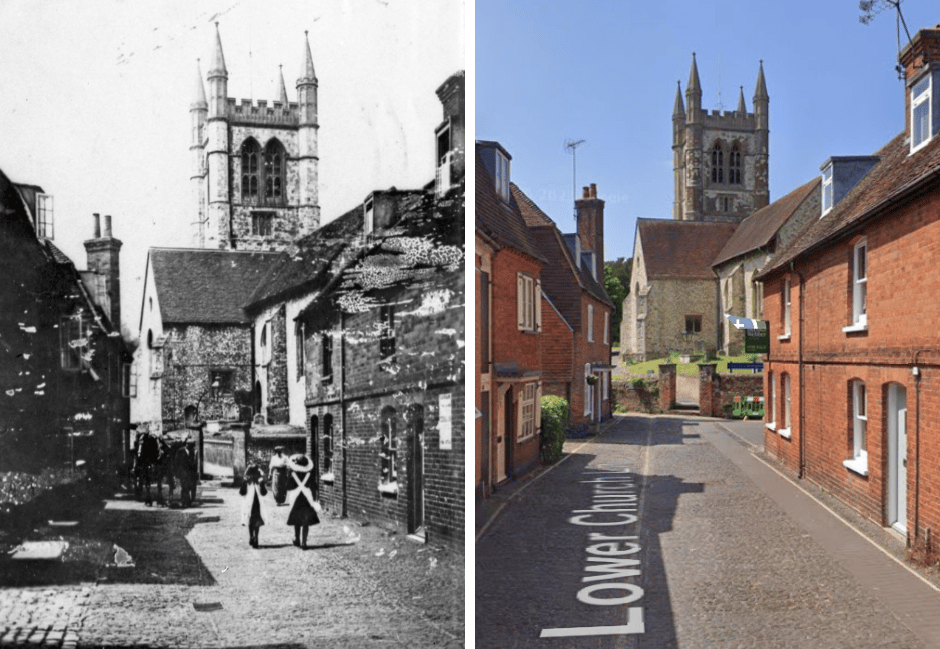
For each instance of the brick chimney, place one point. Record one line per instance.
(590, 211)
(103, 254)
(921, 54)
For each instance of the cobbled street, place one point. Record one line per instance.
(195, 582)
(677, 532)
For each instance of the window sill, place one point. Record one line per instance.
(784, 337)
(521, 440)
(771, 426)
(855, 328)
(784, 432)
(389, 488)
(327, 478)
(857, 465)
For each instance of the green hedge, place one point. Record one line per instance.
(554, 422)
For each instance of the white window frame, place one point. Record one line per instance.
(772, 402)
(827, 190)
(859, 288)
(785, 431)
(590, 323)
(859, 460)
(527, 419)
(605, 381)
(921, 94)
(265, 343)
(606, 327)
(502, 176)
(45, 219)
(528, 303)
(787, 310)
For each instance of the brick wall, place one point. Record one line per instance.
(633, 399)
(902, 249)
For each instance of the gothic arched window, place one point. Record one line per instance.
(251, 172)
(274, 163)
(718, 163)
(734, 165)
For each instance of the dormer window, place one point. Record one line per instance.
(44, 216)
(826, 189)
(369, 217)
(445, 158)
(502, 176)
(921, 127)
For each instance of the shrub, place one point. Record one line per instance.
(554, 421)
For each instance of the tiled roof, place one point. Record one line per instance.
(302, 268)
(497, 220)
(760, 228)
(59, 256)
(681, 249)
(207, 286)
(562, 279)
(887, 183)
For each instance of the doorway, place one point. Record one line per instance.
(897, 457)
(416, 461)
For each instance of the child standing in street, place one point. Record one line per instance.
(303, 507)
(252, 489)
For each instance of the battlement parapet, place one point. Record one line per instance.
(729, 119)
(248, 112)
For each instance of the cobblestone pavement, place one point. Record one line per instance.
(724, 553)
(196, 582)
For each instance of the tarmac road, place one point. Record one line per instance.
(671, 532)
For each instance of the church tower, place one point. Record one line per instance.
(255, 165)
(720, 159)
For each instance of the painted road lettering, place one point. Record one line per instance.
(609, 564)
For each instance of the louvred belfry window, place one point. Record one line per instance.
(250, 170)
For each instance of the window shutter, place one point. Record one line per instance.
(538, 305)
(538, 409)
(520, 301)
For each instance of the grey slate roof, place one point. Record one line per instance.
(207, 286)
(500, 221)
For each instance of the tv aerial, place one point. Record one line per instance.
(572, 146)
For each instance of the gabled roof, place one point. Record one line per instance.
(202, 286)
(890, 182)
(681, 249)
(301, 268)
(760, 228)
(562, 277)
(497, 220)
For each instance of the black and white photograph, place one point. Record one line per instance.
(232, 323)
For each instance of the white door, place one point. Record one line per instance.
(897, 457)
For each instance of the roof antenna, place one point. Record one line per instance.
(871, 8)
(572, 146)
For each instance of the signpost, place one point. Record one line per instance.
(756, 334)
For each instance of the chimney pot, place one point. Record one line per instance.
(97, 221)
(107, 226)
(593, 190)
(586, 192)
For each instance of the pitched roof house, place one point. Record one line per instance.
(854, 351)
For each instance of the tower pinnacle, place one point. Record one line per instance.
(218, 59)
(199, 100)
(678, 109)
(283, 97)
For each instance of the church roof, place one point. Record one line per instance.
(207, 286)
(681, 249)
(889, 182)
(501, 222)
(760, 228)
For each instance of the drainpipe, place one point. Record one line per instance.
(342, 397)
(802, 472)
(916, 447)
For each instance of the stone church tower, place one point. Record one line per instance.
(720, 158)
(254, 179)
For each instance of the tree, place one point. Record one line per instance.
(617, 293)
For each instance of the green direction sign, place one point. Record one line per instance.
(757, 341)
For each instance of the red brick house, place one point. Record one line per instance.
(576, 310)
(509, 327)
(854, 366)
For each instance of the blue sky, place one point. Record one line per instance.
(96, 96)
(606, 72)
